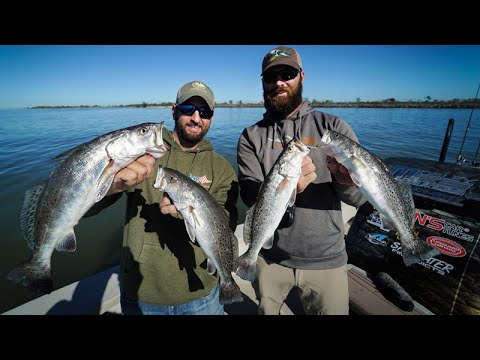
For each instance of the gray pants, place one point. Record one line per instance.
(323, 292)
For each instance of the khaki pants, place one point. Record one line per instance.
(323, 292)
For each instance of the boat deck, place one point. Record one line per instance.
(84, 297)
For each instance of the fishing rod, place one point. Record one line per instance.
(459, 157)
(475, 162)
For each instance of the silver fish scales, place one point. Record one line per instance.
(391, 198)
(51, 209)
(207, 223)
(277, 192)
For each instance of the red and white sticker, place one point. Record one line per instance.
(446, 246)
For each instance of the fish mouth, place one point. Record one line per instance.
(160, 179)
(301, 146)
(326, 139)
(159, 148)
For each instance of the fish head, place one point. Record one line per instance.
(135, 141)
(291, 158)
(336, 145)
(156, 146)
(300, 146)
(178, 186)
(326, 138)
(167, 180)
(161, 181)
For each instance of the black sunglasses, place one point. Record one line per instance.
(285, 75)
(188, 109)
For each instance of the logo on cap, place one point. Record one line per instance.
(198, 85)
(272, 55)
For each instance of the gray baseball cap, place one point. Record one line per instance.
(196, 88)
(281, 55)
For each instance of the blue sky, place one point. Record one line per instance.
(53, 75)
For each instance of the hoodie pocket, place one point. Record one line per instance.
(337, 219)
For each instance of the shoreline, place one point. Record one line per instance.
(466, 104)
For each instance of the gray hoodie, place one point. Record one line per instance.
(315, 240)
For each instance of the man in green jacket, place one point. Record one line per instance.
(162, 271)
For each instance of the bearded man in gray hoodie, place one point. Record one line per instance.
(309, 246)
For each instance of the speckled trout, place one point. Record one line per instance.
(278, 191)
(207, 223)
(51, 209)
(391, 198)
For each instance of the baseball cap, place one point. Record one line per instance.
(196, 88)
(281, 55)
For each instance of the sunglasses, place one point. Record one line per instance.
(187, 109)
(285, 75)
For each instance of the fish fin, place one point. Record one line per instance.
(387, 224)
(211, 267)
(269, 243)
(68, 243)
(191, 231)
(282, 185)
(247, 225)
(105, 181)
(59, 159)
(33, 276)
(356, 180)
(28, 213)
(230, 292)
(353, 175)
(66, 154)
(247, 269)
(419, 251)
(293, 197)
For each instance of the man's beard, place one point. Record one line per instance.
(283, 106)
(189, 139)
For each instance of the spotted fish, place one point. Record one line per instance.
(278, 191)
(51, 209)
(391, 198)
(207, 223)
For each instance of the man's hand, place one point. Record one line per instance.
(132, 175)
(166, 206)
(308, 174)
(339, 172)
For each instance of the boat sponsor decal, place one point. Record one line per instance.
(436, 265)
(375, 220)
(446, 246)
(377, 239)
(443, 226)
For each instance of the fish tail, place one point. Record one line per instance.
(247, 269)
(230, 293)
(418, 252)
(32, 276)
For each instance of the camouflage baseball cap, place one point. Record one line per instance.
(281, 55)
(196, 88)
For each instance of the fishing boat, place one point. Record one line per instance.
(447, 202)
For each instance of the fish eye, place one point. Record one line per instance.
(290, 148)
(142, 131)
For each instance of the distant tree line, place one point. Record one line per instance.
(427, 102)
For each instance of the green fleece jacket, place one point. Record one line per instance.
(159, 263)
